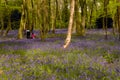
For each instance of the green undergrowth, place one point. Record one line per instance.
(36, 64)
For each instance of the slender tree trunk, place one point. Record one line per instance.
(65, 13)
(2, 22)
(118, 12)
(44, 21)
(27, 18)
(106, 2)
(22, 24)
(56, 16)
(49, 14)
(9, 20)
(115, 25)
(68, 39)
(8, 26)
(83, 16)
(29, 14)
(2, 26)
(91, 13)
(77, 18)
(54, 11)
(32, 16)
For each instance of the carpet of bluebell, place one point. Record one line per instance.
(87, 58)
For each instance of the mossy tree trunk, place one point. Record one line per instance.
(53, 16)
(118, 13)
(115, 25)
(29, 14)
(22, 24)
(2, 24)
(77, 22)
(8, 27)
(106, 2)
(26, 17)
(1, 20)
(44, 19)
(83, 16)
(92, 6)
(65, 13)
(9, 18)
(49, 16)
(56, 16)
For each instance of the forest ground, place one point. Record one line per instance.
(94, 39)
(97, 57)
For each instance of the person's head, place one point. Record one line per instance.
(32, 33)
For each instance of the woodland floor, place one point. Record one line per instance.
(94, 39)
(94, 47)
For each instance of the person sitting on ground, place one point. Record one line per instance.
(33, 35)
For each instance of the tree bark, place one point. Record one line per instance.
(22, 24)
(106, 2)
(118, 13)
(54, 15)
(8, 26)
(91, 13)
(83, 16)
(49, 15)
(2, 26)
(68, 39)
(77, 18)
(2, 22)
(9, 20)
(44, 20)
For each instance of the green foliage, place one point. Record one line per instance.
(13, 15)
(14, 2)
(110, 57)
(15, 25)
(19, 52)
(112, 6)
(65, 16)
(61, 24)
(53, 64)
(6, 12)
(3, 51)
(111, 43)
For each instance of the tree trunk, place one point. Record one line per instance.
(44, 22)
(65, 13)
(83, 16)
(91, 13)
(22, 24)
(118, 12)
(2, 22)
(106, 2)
(54, 15)
(2, 26)
(9, 20)
(115, 25)
(77, 18)
(68, 39)
(49, 15)
(8, 26)
(27, 18)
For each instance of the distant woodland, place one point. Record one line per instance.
(49, 15)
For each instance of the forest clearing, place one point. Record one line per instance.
(87, 58)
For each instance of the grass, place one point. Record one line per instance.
(54, 65)
(87, 58)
